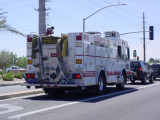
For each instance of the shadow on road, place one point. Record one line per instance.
(157, 79)
(85, 96)
(138, 83)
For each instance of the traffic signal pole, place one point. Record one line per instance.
(151, 36)
(144, 39)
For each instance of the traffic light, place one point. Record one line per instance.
(137, 57)
(151, 33)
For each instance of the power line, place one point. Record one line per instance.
(48, 19)
(124, 11)
(12, 2)
(114, 16)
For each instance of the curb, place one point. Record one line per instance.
(19, 94)
(10, 84)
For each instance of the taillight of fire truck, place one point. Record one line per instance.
(32, 76)
(29, 39)
(76, 76)
(79, 37)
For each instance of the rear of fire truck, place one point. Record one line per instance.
(51, 62)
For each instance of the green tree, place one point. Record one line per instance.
(5, 27)
(6, 59)
(151, 60)
(156, 61)
(21, 62)
(13, 58)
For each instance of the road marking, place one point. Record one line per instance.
(26, 96)
(72, 103)
(10, 108)
(148, 86)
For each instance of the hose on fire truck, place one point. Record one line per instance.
(35, 43)
(61, 48)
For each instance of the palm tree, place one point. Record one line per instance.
(5, 27)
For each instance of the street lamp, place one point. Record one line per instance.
(97, 12)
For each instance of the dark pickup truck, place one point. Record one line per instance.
(141, 71)
(156, 70)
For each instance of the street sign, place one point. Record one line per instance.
(134, 53)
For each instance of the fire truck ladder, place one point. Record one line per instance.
(37, 47)
(41, 66)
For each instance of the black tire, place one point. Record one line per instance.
(120, 86)
(151, 79)
(46, 91)
(154, 78)
(100, 88)
(53, 91)
(144, 79)
(132, 81)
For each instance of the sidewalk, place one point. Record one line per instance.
(14, 89)
(8, 83)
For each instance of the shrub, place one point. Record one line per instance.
(8, 76)
(2, 73)
(18, 75)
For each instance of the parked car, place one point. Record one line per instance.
(15, 69)
(156, 70)
(141, 71)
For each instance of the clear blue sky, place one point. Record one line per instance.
(66, 16)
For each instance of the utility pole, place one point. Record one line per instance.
(144, 39)
(42, 17)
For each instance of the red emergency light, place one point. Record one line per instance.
(76, 76)
(32, 76)
(78, 37)
(29, 39)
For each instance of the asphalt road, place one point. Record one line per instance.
(135, 102)
(13, 88)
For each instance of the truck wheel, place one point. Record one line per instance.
(101, 84)
(47, 91)
(144, 79)
(120, 85)
(154, 78)
(53, 92)
(151, 79)
(132, 81)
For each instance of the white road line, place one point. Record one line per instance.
(148, 86)
(10, 108)
(71, 103)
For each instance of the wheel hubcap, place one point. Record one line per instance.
(100, 84)
(122, 80)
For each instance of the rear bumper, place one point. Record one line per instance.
(52, 85)
(156, 75)
(137, 76)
